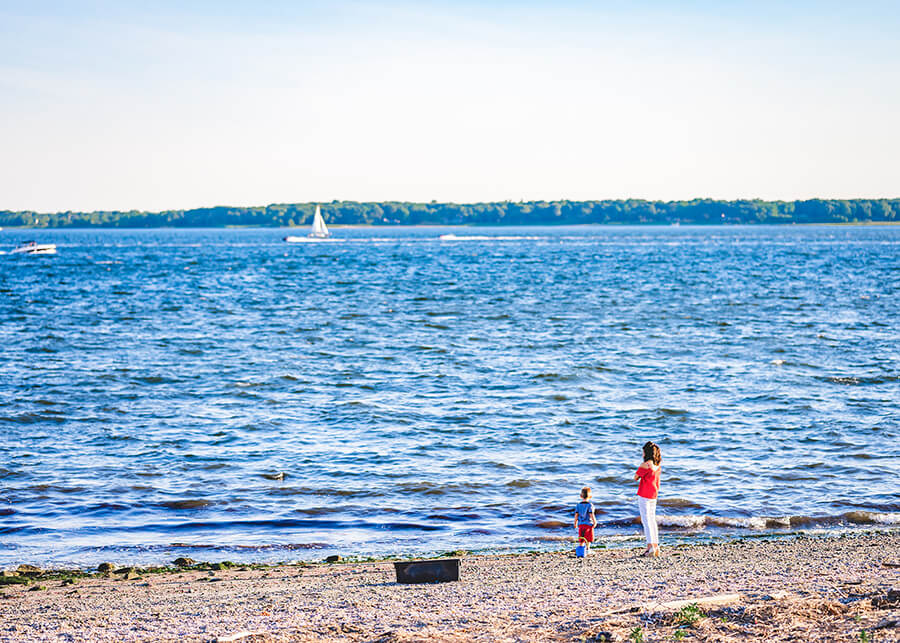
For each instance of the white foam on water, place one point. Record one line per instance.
(754, 522)
(457, 237)
(693, 522)
(872, 517)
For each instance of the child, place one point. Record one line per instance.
(584, 519)
(648, 489)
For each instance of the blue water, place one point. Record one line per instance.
(223, 394)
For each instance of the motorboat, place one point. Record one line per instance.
(35, 248)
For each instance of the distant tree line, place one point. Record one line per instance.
(629, 211)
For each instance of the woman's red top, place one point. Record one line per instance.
(649, 484)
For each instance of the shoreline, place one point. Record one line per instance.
(800, 588)
(317, 553)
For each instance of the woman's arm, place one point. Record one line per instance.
(642, 470)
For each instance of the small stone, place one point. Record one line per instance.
(124, 570)
(37, 588)
(333, 559)
(132, 575)
(184, 562)
(105, 568)
(28, 570)
(8, 574)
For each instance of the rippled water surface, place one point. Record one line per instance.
(391, 392)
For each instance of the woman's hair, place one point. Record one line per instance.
(651, 452)
(586, 493)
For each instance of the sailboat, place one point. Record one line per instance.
(319, 230)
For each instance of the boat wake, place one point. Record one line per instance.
(456, 237)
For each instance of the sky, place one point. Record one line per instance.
(167, 105)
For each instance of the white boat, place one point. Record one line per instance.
(319, 230)
(35, 248)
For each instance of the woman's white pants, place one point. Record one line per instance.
(648, 519)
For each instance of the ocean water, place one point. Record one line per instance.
(225, 395)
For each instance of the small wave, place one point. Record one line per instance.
(155, 379)
(679, 502)
(475, 237)
(520, 484)
(552, 524)
(672, 412)
(437, 489)
(32, 418)
(872, 518)
(186, 504)
(853, 380)
(555, 377)
(700, 521)
(217, 547)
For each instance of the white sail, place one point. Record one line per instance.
(319, 229)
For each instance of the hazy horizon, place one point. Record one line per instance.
(185, 105)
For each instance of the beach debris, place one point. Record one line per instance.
(891, 599)
(886, 623)
(123, 570)
(106, 568)
(28, 570)
(428, 571)
(183, 561)
(237, 636)
(13, 580)
(333, 559)
(716, 599)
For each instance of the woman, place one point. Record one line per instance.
(648, 489)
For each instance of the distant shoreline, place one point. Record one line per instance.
(425, 226)
(519, 213)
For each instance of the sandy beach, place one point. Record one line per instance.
(802, 588)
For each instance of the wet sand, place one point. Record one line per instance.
(809, 589)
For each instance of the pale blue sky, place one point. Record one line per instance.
(153, 105)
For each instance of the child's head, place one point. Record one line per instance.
(586, 493)
(651, 452)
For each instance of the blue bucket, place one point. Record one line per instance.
(581, 548)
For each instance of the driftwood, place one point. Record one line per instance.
(716, 599)
(237, 636)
